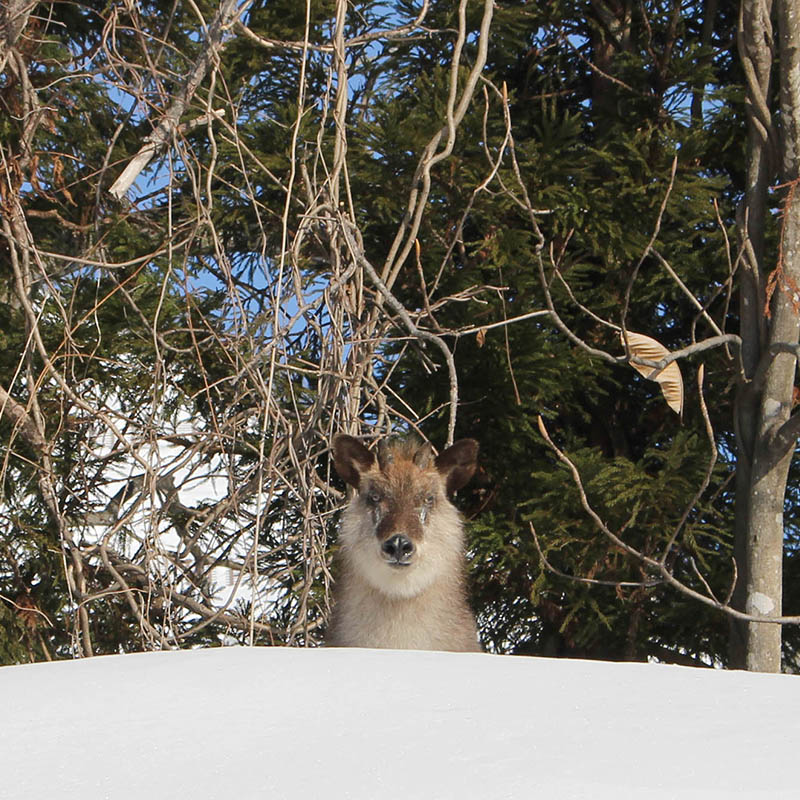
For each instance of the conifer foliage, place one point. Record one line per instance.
(231, 230)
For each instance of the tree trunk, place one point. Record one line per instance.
(766, 431)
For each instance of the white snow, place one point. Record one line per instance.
(239, 723)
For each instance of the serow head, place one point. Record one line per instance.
(403, 492)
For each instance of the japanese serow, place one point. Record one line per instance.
(400, 581)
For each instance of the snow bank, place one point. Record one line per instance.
(280, 723)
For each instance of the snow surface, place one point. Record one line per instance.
(239, 723)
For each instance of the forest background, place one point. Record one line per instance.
(231, 230)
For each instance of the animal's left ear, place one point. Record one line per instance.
(457, 464)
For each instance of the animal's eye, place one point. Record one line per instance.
(429, 499)
(374, 496)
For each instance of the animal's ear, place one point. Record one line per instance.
(457, 464)
(351, 458)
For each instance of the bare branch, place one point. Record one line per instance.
(588, 581)
(167, 127)
(357, 252)
(657, 566)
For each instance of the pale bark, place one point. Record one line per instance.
(766, 432)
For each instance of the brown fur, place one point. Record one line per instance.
(421, 602)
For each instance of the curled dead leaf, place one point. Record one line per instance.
(669, 379)
(480, 337)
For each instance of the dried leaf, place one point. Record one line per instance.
(669, 378)
(480, 337)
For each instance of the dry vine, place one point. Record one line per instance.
(219, 517)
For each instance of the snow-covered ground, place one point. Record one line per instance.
(241, 723)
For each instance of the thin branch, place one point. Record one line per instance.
(589, 581)
(164, 131)
(357, 253)
(712, 461)
(653, 236)
(695, 302)
(408, 230)
(659, 568)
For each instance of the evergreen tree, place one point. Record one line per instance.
(227, 237)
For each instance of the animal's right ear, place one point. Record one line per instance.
(351, 458)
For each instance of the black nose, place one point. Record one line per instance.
(398, 548)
